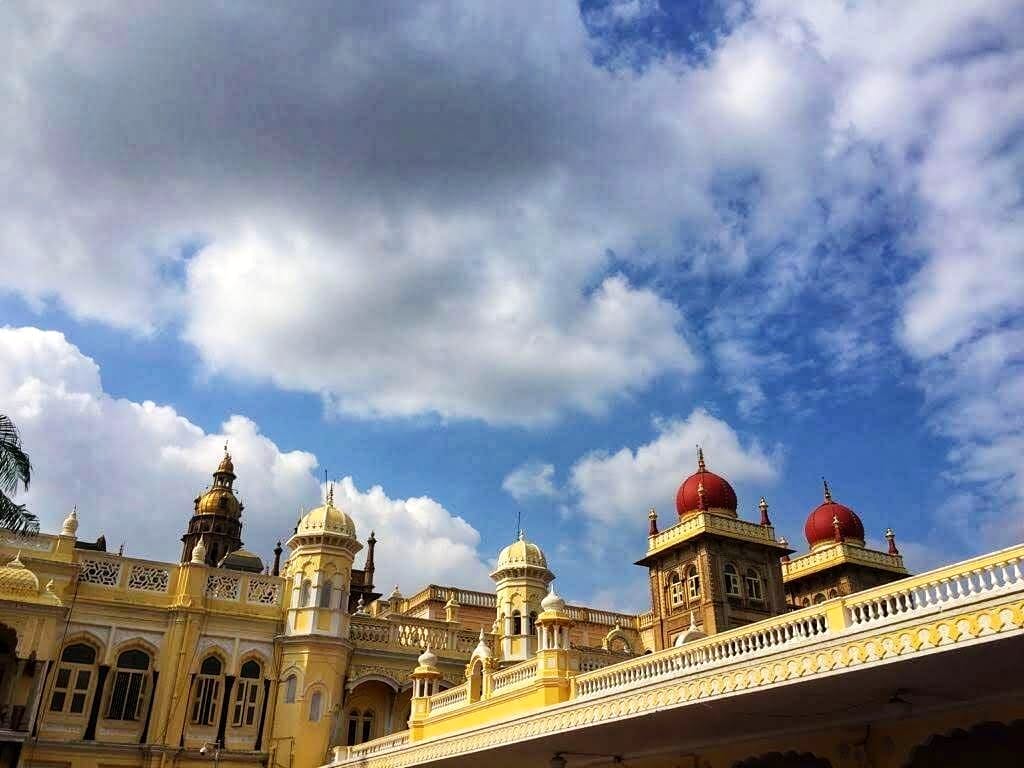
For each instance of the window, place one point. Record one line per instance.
(360, 726)
(325, 594)
(531, 627)
(316, 705)
(367, 725)
(732, 581)
(129, 688)
(692, 583)
(675, 590)
(517, 623)
(207, 692)
(247, 692)
(819, 598)
(74, 676)
(304, 594)
(754, 589)
(289, 689)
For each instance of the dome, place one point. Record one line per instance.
(821, 524)
(692, 633)
(242, 560)
(326, 519)
(717, 494)
(520, 553)
(552, 601)
(16, 579)
(428, 658)
(219, 500)
(482, 650)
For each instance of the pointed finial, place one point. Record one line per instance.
(701, 467)
(693, 621)
(784, 542)
(763, 506)
(70, 526)
(522, 535)
(360, 605)
(835, 526)
(226, 448)
(891, 538)
(330, 495)
(701, 493)
(828, 491)
(199, 552)
(652, 522)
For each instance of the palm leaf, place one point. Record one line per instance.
(15, 518)
(15, 467)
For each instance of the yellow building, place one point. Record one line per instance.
(748, 657)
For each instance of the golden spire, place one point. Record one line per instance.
(330, 495)
(828, 491)
(701, 467)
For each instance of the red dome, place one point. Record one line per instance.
(718, 494)
(820, 527)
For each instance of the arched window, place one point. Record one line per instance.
(128, 691)
(692, 583)
(206, 699)
(754, 589)
(325, 594)
(531, 627)
(247, 693)
(819, 598)
(304, 594)
(832, 593)
(805, 602)
(290, 686)
(367, 726)
(675, 590)
(517, 623)
(353, 727)
(316, 706)
(73, 684)
(732, 581)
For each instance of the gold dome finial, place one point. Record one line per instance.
(828, 491)
(330, 495)
(701, 466)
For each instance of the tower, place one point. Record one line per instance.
(838, 562)
(521, 580)
(723, 570)
(315, 647)
(217, 517)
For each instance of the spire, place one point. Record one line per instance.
(701, 466)
(828, 491)
(70, 526)
(693, 621)
(199, 552)
(835, 526)
(277, 560)
(763, 506)
(368, 569)
(330, 495)
(890, 536)
(652, 522)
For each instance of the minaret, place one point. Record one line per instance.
(217, 517)
(368, 568)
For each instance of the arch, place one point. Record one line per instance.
(211, 648)
(75, 679)
(517, 622)
(985, 743)
(137, 643)
(819, 598)
(476, 680)
(368, 677)
(316, 706)
(789, 759)
(252, 655)
(128, 685)
(290, 688)
(326, 593)
(304, 593)
(207, 689)
(833, 593)
(615, 640)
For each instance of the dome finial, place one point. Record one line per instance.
(199, 552)
(522, 535)
(828, 491)
(70, 525)
(330, 495)
(890, 536)
(701, 466)
(763, 506)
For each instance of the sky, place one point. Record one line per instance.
(479, 263)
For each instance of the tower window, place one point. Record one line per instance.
(755, 591)
(72, 685)
(532, 624)
(692, 583)
(732, 581)
(517, 623)
(289, 689)
(325, 594)
(316, 705)
(304, 594)
(247, 692)
(206, 700)
(129, 688)
(675, 590)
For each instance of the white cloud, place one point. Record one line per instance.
(617, 489)
(419, 541)
(134, 468)
(530, 480)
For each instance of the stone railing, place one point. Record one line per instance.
(724, 648)
(988, 576)
(450, 699)
(645, 621)
(607, 618)
(591, 660)
(710, 523)
(406, 632)
(524, 672)
(369, 748)
(840, 552)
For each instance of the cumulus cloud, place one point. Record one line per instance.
(133, 469)
(531, 480)
(618, 488)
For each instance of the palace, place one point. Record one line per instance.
(751, 654)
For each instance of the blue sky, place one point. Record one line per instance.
(491, 262)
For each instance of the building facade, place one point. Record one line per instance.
(750, 655)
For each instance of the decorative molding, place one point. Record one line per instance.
(148, 578)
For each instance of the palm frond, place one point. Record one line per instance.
(15, 518)
(15, 466)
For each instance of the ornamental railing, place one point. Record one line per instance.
(404, 632)
(450, 699)
(524, 672)
(840, 552)
(711, 523)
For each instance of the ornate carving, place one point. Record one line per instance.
(264, 591)
(222, 586)
(105, 573)
(148, 578)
